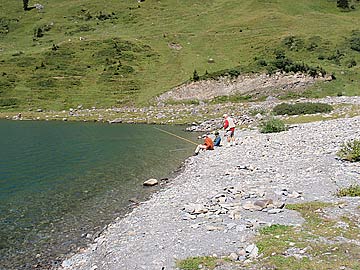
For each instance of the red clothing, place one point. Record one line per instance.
(226, 124)
(229, 124)
(209, 143)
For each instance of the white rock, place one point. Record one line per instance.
(151, 182)
(233, 256)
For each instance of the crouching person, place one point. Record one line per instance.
(207, 145)
(217, 140)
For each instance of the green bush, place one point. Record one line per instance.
(352, 191)
(343, 4)
(336, 57)
(355, 40)
(350, 151)
(302, 108)
(351, 63)
(287, 65)
(293, 43)
(229, 73)
(4, 26)
(272, 125)
(8, 102)
(313, 43)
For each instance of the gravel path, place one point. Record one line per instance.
(212, 207)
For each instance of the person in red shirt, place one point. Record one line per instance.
(229, 127)
(207, 145)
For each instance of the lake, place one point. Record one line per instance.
(61, 183)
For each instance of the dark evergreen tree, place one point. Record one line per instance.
(196, 76)
(26, 5)
(343, 4)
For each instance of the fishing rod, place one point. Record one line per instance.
(179, 137)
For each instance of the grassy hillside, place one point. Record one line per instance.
(115, 53)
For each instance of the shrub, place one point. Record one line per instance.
(262, 62)
(351, 63)
(8, 102)
(313, 43)
(336, 57)
(355, 40)
(230, 73)
(302, 108)
(285, 64)
(350, 151)
(40, 30)
(4, 26)
(272, 125)
(352, 191)
(193, 263)
(343, 4)
(293, 43)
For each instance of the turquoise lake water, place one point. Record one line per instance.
(61, 182)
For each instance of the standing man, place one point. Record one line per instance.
(229, 127)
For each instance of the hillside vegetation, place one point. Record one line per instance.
(117, 53)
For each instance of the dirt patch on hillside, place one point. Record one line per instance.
(255, 85)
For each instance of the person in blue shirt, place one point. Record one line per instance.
(217, 139)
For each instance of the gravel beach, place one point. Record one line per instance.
(216, 205)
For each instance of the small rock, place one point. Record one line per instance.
(252, 250)
(294, 195)
(66, 263)
(242, 252)
(214, 228)
(263, 203)
(251, 207)
(233, 256)
(151, 182)
(275, 211)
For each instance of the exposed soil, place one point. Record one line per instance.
(255, 85)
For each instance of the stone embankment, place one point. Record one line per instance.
(220, 200)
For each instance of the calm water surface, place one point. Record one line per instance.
(62, 181)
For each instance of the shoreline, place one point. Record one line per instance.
(188, 218)
(203, 117)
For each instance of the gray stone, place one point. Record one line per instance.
(252, 251)
(274, 211)
(263, 203)
(233, 256)
(151, 182)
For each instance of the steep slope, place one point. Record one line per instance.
(116, 53)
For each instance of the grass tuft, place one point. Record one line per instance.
(195, 263)
(350, 151)
(272, 125)
(352, 191)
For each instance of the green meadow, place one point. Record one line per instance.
(120, 53)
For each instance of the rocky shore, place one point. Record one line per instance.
(216, 206)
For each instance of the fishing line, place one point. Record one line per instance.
(179, 137)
